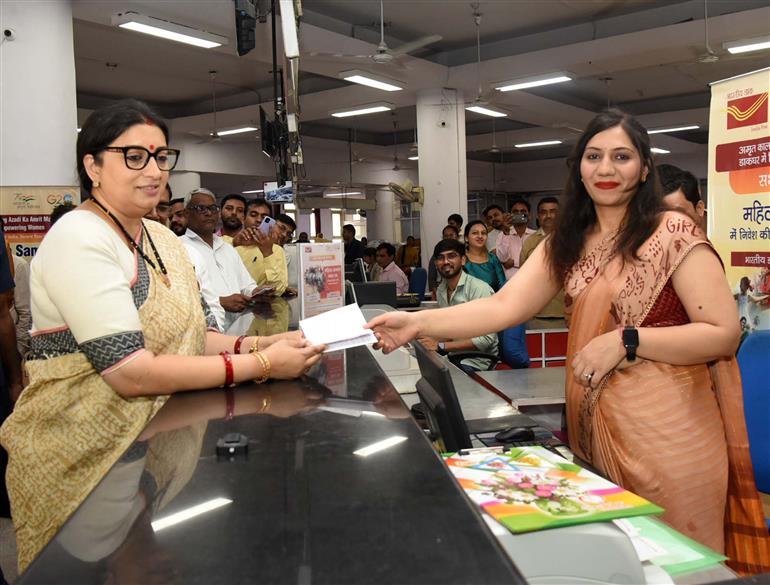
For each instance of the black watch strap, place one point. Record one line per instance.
(630, 342)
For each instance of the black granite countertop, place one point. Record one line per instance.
(301, 507)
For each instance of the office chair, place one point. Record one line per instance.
(512, 347)
(418, 281)
(752, 360)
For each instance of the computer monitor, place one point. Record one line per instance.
(439, 399)
(375, 293)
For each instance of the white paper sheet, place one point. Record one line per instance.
(338, 329)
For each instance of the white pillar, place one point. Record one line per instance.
(380, 222)
(184, 182)
(442, 168)
(326, 223)
(38, 110)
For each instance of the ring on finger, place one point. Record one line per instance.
(588, 376)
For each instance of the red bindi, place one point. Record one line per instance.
(152, 147)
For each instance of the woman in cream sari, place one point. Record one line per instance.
(118, 325)
(657, 406)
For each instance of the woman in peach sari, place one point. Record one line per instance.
(654, 398)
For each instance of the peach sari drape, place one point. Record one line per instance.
(673, 434)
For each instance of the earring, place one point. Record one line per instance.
(96, 184)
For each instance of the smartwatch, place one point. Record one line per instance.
(441, 347)
(630, 342)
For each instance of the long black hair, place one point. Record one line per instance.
(577, 215)
(105, 125)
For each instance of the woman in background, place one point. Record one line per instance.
(480, 262)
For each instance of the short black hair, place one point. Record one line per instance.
(451, 227)
(235, 196)
(370, 251)
(389, 248)
(455, 217)
(489, 208)
(170, 192)
(259, 202)
(105, 125)
(177, 200)
(448, 245)
(60, 210)
(673, 178)
(350, 227)
(545, 200)
(283, 218)
(519, 199)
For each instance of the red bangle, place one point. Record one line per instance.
(237, 346)
(228, 369)
(229, 404)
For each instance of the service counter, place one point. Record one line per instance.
(312, 501)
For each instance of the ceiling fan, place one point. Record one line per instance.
(213, 137)
(384, 54)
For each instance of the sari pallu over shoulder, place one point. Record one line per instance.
(651, 427)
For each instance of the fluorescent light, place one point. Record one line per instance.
(375, 81)
(672, 129)
(533, 144)
(362, 110)
(536, 81)
(415, 157)
(79, 130)
(379, 446)
(253, 191)
(748, 45)
(168, 30)
(237, 131)
(657, 150)
(486, 111)
(289, 29)
(188, 513)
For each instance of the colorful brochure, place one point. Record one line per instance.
(530, 488)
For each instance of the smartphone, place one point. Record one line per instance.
(263, 290)
(266, 224)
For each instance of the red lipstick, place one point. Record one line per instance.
(606, 185)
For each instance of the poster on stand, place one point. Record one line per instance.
(739, 192)
(322, 278)
(26, 213)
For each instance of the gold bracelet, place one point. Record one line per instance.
(255, 345)
(265, 367)
(266, 402)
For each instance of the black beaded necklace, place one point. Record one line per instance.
(163, 273)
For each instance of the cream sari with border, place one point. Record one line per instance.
(70, 427)
(675, 435)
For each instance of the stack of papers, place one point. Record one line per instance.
(338, 329)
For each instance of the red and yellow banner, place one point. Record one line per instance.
(739, 191)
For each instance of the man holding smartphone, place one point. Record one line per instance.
(515, 230)
(256, 245)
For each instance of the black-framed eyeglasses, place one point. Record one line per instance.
(204, 208)
(137, 157)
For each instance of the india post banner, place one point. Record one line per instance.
(26, 215)
(739, 191)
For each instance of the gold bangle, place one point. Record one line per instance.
(265, 367)
(255, 345)
(266, 402)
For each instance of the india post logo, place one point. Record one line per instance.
(747, 111)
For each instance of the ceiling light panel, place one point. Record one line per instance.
(237, 131)
(672, 129)
(748, 45)
(536, 144)
(657, 150)
(363, 110)
(168, 30)
(371, 80)
(486, 111)
(533, 81)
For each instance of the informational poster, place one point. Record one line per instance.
(26, 214)
(322, 278)
(739, 191)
